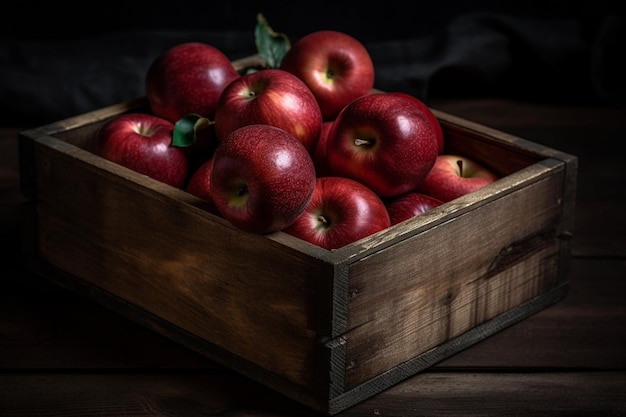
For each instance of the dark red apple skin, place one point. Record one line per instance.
(334, 65)
(319, 154)
(431, 117)
(274, 97)
(200, 184)
(188, 78)
(446, 182)
(143, 142)
(409, 205)
(350, 210)
(262, 178)
(401, 144)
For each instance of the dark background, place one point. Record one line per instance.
(58, 60)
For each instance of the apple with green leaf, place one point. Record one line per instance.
(144, 143)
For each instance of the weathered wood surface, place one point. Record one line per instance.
(81, 359)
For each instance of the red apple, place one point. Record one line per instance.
(319, 154)
(188, 78)
(143, 142)
(453, 176)
(341, 211)
(384, 141)
(262, 178)
(410, 205)
(430, 115)
(270, 96)
(334, 65)
(200, 184)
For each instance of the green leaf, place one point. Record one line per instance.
(272, 46)
(185, 130)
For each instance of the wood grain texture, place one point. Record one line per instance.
(199, 393)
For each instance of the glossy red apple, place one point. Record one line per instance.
(430, 115)
(410, 205)
(270, 96)
(453, 176)
(341, 211)
(384, 141)
(143, 142)
(188, 78)
(262, 178)
(334, 65)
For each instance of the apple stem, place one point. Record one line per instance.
(362, 142)
(322, 219)
(242, 191)
(459, 163)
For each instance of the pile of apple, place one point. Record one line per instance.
(307, 147)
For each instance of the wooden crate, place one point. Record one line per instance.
(325, 328)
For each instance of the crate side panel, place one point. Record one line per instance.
(450, 278)
(480, 229)
(445, 313)
(254, 298)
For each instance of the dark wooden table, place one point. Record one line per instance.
(61, 355)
